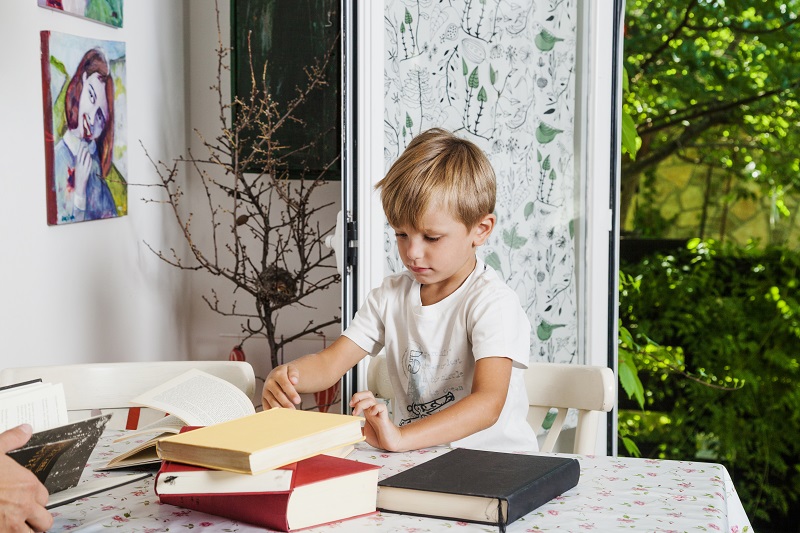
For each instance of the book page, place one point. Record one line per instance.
(42, 405)
(168, 424)
(198, 398)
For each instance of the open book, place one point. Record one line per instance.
(194, 398)
(42, 405)
(58, 450)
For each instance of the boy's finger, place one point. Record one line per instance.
(361, 395)
(278, 399)
(287, 381)
(362, 405)
(293, 374)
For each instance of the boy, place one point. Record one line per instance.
(455, 336)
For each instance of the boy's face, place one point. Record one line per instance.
(441, 253)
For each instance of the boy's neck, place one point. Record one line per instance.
(432, 294)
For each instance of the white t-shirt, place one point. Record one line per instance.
(431, 350)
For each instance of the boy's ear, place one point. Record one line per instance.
(483, 229)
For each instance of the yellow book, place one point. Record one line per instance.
(263, 441)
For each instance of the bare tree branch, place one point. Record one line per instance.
(262, 228)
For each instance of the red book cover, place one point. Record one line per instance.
(326, 489)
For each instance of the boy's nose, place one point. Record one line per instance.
(414, 250)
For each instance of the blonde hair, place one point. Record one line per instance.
(438, 170)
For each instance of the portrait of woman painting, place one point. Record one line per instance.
(83, 81)
(103, 11)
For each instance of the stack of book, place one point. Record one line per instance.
(282, 469)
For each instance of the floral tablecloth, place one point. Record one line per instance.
(613, 494)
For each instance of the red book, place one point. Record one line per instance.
(179, 478)
(326, 489)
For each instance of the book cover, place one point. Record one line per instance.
(90, 487)
(58, 455)
(139, 455)
(326, 489)
(263, 441)
(179, 478)
(478, 486)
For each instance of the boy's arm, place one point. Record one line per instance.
(310, 373)
(477, 411)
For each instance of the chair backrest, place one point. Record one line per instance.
(558, 387)
(588, 390)
(109, 387)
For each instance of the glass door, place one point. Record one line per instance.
(536, 86)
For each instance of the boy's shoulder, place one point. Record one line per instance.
(487, 276)
(486, 284)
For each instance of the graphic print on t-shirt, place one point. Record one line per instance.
(421, 410)
(425, 376)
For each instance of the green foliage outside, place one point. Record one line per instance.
(713, 333)
(709, 337)
(716, 84)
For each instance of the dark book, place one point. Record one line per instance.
(90, 487)
(20, 384)
(325, 489)
(478, 486)
(58, 455)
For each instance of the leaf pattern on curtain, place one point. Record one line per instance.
(500, 73)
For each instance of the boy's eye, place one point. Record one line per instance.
(400, 235)
(431, 239)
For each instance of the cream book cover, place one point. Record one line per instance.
(262, 441)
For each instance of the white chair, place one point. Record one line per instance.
(109, 387)
(587, 390)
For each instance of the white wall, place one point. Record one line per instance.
(90, 291)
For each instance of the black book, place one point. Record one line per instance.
(58, 455)
(478, 486)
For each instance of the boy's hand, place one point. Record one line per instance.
(379, 430)
(22, 496)
(279, 388)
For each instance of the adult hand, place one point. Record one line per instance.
(379, 430)
(22, 496)
(279, 388)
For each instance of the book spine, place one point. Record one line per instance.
(265, 510)
(553, 484)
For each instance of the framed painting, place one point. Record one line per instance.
(103, 11)
(288, 36)
(84, 99)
